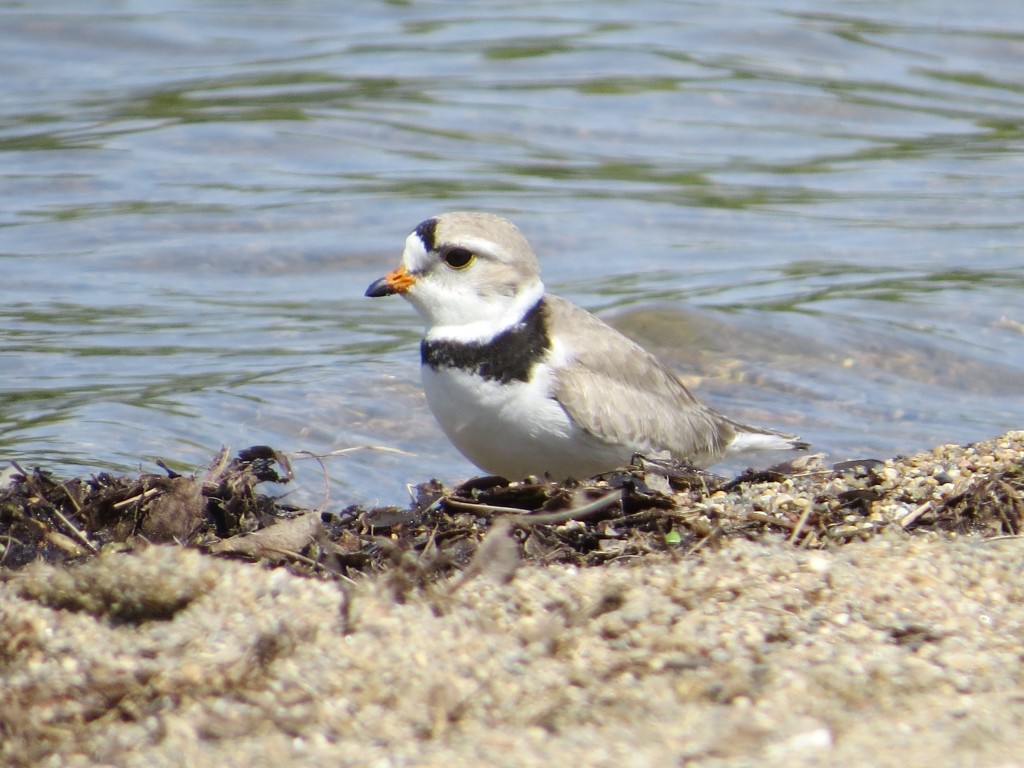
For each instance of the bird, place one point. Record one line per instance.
(527, 384)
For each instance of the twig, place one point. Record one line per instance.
(911, 517)
(490, 508)
(518, 517)
(71, 498)
(139, 497)
(214, 473)
(71, 527)
(761, 517)
(700, 544)
(801, 523)
(60, 515)
(556, 518)
(7, 550)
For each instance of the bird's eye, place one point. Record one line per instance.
(458, 258)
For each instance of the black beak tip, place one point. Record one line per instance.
(379, 288)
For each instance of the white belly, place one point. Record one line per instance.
(515, 429)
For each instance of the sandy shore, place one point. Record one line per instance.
(902, 649)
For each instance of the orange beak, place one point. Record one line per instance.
(397, 281)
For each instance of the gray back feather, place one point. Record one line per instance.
(620, 393)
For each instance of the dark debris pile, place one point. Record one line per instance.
(655, 506)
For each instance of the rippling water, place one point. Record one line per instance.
(812, 210)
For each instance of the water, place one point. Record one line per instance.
(812, 210)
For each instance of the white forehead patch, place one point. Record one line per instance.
(415, 257)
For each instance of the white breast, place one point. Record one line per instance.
(514, 429)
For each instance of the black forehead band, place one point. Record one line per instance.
(427, 233)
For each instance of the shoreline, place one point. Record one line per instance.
(887, 630)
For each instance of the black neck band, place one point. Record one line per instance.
(507, 357)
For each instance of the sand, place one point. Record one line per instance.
(904, 649)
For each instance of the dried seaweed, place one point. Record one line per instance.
(650, 507)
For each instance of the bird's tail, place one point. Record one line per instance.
(750, 438)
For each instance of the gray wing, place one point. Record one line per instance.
(620, 393)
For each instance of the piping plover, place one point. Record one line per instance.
(526, 383)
